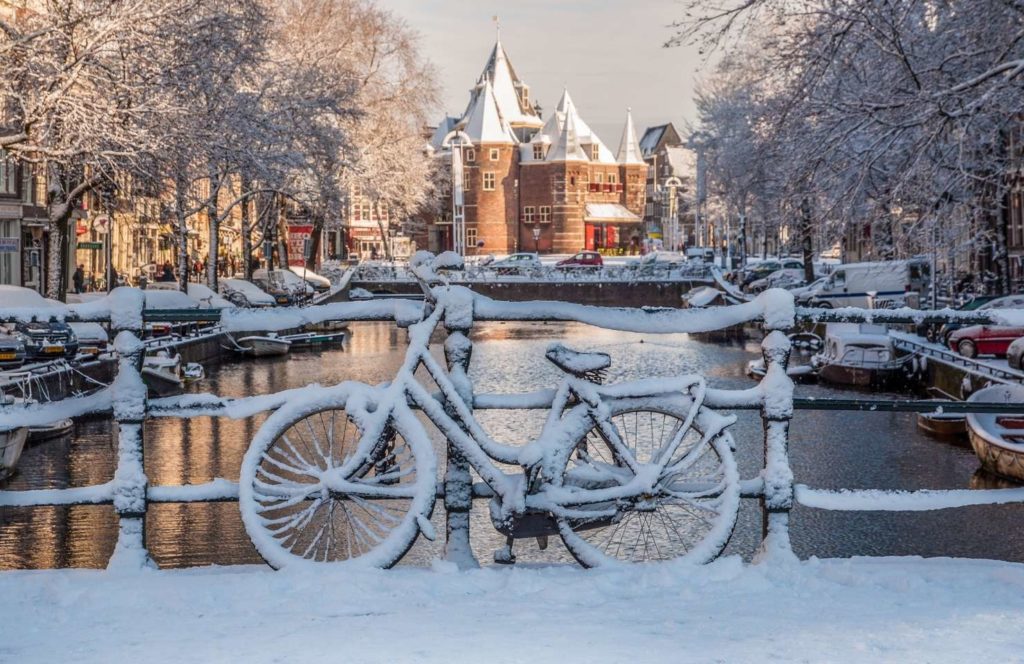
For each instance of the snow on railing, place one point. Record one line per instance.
(637, 271)
(130, 491)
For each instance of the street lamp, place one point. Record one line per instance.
(536, 239)
(673, 217)
(455, 141)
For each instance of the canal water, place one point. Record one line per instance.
(829, 450)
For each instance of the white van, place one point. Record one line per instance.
(879, 285)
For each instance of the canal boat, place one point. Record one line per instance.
(948, 426)
(12, 442)
(313, 339)
(800, 373)
(998, 438)
(263, 346)
(162, 374)
(860, 355)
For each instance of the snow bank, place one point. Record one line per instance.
(869, 500)
(858, 610)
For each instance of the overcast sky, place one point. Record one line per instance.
(607, 52)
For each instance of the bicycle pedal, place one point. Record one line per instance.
(504, 555)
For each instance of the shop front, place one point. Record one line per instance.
(610, 227)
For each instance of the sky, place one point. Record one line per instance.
(607, 52)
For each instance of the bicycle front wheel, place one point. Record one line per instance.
(692, 511)
(293, 514)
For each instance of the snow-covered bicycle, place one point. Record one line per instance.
(632, 472)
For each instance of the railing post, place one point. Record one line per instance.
(129, 406)
(777, 476)
(458, 483)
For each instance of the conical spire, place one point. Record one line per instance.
(483, 122)
(568, 147)
(629, 148)
(507, 85)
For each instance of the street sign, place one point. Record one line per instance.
(93, 246)
(9, 245)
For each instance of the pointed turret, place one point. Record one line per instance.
(629, 147)
(567, 148)
(483, 123)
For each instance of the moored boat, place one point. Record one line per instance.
(860, 355)
(12, 442)
(162, 374)
(263, 346)
(949, 426)
(313, 339)
(998, 438)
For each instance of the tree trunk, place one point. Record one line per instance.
(383, 234)
(246, 231)
(806, 231)
(59, 254)
(180, 185)
(282, 234)
(213, 218)
(315, 236)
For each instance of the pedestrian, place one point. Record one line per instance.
(373, 253)
(114, 276)
(78, 279)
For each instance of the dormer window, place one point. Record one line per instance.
(470, 154)
(538, 151)
(595, 152)
(494, 154)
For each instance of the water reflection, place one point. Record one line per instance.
(829, 450)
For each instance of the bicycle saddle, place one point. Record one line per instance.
(581, 365)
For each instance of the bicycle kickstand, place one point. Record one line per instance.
(504, 555)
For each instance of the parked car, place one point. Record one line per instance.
(864, 284)
(285, 286)
(784, 278)
(590, 259)
(242, 293)
(766, 267)
(981, 303)
(975, 340)
(12, 348)
(1015, 354)
(319, 283)
(516, 263)
(45, 337)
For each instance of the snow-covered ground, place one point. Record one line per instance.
(851, 610)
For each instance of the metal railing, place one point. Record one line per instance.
(130, 492)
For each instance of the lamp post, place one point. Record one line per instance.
(455, 141)
(673, 217)
(536, 239)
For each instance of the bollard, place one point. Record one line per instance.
(458, 483)
(129, 408)
(777, 476)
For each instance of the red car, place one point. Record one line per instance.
(582, 259)
(975, 340)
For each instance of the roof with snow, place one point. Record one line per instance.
(510, 92)
(654, 136)
(443, 128)
(610, 212)
(629, 151)
(577, 143)
(483, 123)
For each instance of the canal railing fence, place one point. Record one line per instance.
(130, 493)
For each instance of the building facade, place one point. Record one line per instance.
(669, 213)
(531, 184)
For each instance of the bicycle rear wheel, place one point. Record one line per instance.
(294, 518)
(690, 515)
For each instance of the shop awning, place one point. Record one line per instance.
(610, 213)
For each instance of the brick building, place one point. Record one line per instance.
(523, 173)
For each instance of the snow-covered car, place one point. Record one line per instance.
(1015, 354)
(45, 337)
(975, 340)
(981, 304)
(92, 338)
(784, 278)
(285, 286)
(764, 268)
(242, 293)
(656, 262)
(520, 263)
(316, 281)
(12, 348)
